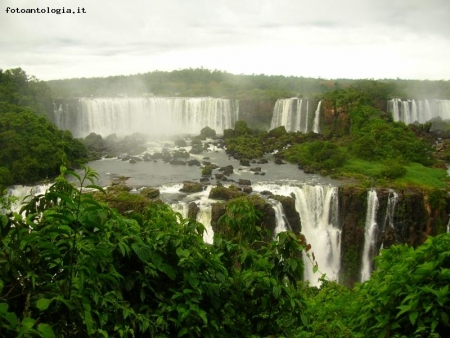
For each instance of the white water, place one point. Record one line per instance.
(154, 116)
(390, 211)
(20, 192)
(279, 218)
(421, 111)
(294, 114)
(369, 236)
(317, 118)
(318, 208)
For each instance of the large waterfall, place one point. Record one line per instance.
(295, 115)
(153, 116)
(318, 208)
(421, 111)
(370, 233)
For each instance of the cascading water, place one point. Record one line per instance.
(294, 114)
(421, 111)
(318, 208)
(204, 216)
(279, 218)
(370, 232)
(153, 116)
(20, 192)
(316, 125)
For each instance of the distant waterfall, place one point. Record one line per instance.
(279, 218)
(317, 118)
(421, 111)
(294, 114)
(369, 236)
(153, 116)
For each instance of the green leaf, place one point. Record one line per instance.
(43, 303)
(182, 332)
(182, 253)
(26, 325)
(193, 280)
(168, 270)
(413, 317)
(46, 330)
(3, 307)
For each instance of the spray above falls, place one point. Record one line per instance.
(153, 116)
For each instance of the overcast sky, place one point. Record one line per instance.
(409, 39)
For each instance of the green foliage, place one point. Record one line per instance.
(207, 132)
(32, 147)
(75, 267)
(376, 139)
(317, 154)
(408, 293)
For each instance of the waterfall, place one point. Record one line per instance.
(20, 192)
(390, 210)
(421, 111)
(153, 116)
(318, 207)
(294, 115)
(279, 218)
(369, 236)
(204, 216)
(317, 118)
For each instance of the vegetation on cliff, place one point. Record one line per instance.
(32, 148)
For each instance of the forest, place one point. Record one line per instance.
(72, 265)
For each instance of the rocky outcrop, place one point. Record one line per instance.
(191, 187)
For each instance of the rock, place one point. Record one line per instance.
(266, 193)
(222, 193)
(227, 170)
(247, 189)
(193, 210)
(180, 143)
(244, 182)
(191, 187)
(244, 162)
(196, 150)
(263, 161)
(255, 169)
(219, 176)
(206, 163)
(204, 179)
(177, 162)
(137, 159)
(132, 161)
(193, 162)
(150, 192)
(279, 161)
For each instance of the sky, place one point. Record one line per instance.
(330, 39)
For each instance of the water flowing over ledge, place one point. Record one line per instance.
(154, 116)
(421, 111)
(296, 115)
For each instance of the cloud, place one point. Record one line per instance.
(328, 38)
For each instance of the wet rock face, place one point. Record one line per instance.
(292, 216)
(410, 221)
